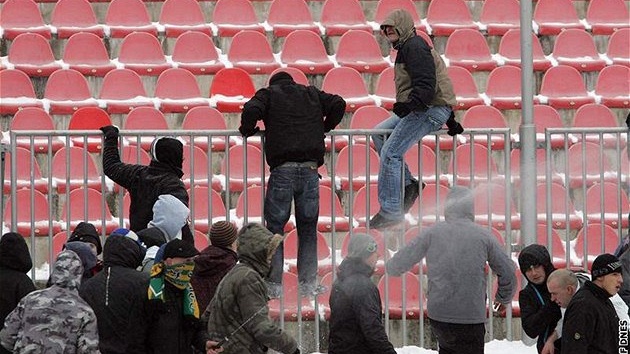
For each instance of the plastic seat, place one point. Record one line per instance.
(510, 50)
(141, 119)
(35, 118)
(89, 118)
(235, 164)
(67, 90)
(142, 53)
(393, 294)
(607, 16)
(429, 208)
(24, 172)
(554, 16)
(134, 155)
(597, 238)
(201, 240)
(348, 83)
(250, 207)
(563, 212)
(40, 209)
(305, 50)
(576, 48)
(198, 169)
(286, 16)
(339, 16)
(607, 204)
(179, 16)
(178, 91)
(58, 242)
(446, 16)
(503, 88)
(468, 48)
(231, 88)
(385, 88)
(491, 201)
(207, 118)
(360, 50)
(82, 173)
(293, 305)
(291, 251)
(251, 52)
(233, 16)
(385, 7)
(367, 117)
(472, 164)
(207, 208)
(195, 52)
(422, 163)
(22, 16)
(619, 47)
(583, 163)
(89, 205)
(548, 117)
(624, 166)
(500, 16)
(86, 53)
(122, 90)
(331, 212)
(361, 209)
(486, 117)
(541, 167)
(595, 115)
(127, 16)
(554, 243)
(74, 16)
(31, 53)
(612, 86)
(297, 75)
(16, 92)
(365, 166)
(562, 87)
(466, 91)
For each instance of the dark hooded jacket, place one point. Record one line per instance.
(118, 296)
(296, 118)
(15, 262)
(456, 252)
(242, 297)
(212, 264)
(146, 183)
(86, 232)
(539, 315)
(356, 325)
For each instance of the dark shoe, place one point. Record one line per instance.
(412, 191)
(380, 222)
(274, 290)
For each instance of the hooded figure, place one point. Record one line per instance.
(118, 297)
(241, 296)
(15, 262)
(55, 319)
(539, 315)
(87, 256)
(86, 232)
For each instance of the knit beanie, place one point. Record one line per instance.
(279, 77)
(179, 249)
(222, 234)
(361, 246)
(605, 264)
(86, 232)
(168, 150)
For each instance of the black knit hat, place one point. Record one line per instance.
(179, 249)
(86, 232)
(605, 264)
(279, 77)
(222, 234)
(168, 150)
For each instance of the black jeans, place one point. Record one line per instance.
(454, 338)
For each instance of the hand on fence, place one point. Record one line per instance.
(499, 309)
(110, 131)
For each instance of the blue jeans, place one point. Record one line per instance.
(302, 185)
(406, 133)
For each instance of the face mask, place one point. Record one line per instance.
(179, 274)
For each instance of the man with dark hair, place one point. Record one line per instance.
(296, 118)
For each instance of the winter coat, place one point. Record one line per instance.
(211, 265)
(456, 252)
(539, 315)
(590, 323)
(242, 296)
(296, 118)
(420, 74)
(356, 325)
(56, 319)
(15, 262)
(118, 296)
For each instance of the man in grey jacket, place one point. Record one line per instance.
(456, 252)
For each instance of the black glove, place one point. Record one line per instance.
(110, 131)
(401, 109)
(454, 127)
(247, 132)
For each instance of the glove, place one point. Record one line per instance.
(401, 109)
(454, 127)
(109, 131)
(246, 132)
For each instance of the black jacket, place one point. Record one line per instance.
(15, 262)
(145, 184)
(296, 118)
(356, 325)
(118, 296)
(591, 325)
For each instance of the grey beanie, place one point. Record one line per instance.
(361, 246)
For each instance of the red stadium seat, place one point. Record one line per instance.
(238, 179)
(607, 204)
(86, 53)
(363, 169)
(142, 53)
(87, 204)
(563, 88)
(500, 16)
(31, 53)
(74, 16)
(612, 86)
(59, 241)
(286, 16)
(233, 16)
(24, 172)
(292, 306)
(339, 16)
(473, 163)
(348, 83)
(291, 250)
(201, 240)
(127, 16)
(360, 50)
(22, 16)
(251, 52)
(68, 91)
(607, 16)
(305, 50)
(198, 169)
(429, 209)
(491, 202)
(583, 162)
(231, 88)
(31, 201)
(367, 117)
(595, 115)
(134, 155)
(250, 207)
(563, 212)
(384, 7)
(195, 52)
(504, 89)
(89, 118)
(16, 92)
(596, 238)
(422, 163)
(179, 16)
(468, 48)
(466, 91)
(541, 167)
(72, 168)
(141, 119)
(548, 117)
(207, 118)
(554, 16)
(486, 117)
(619, 47)
(297, 75)
(178, 91)
(576, 48)
(393, 293)
(361, 209)
(35, 118)
(557, 250)
(331, 215)
(446, 16)
(207, 208)
(122, 90)
(510, 50)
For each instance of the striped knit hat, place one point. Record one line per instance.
(222, 234)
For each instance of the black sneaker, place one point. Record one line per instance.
(380, 222)
(412, 191)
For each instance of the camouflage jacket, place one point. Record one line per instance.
(54, 320)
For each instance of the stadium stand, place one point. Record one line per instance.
(16, 92)
(446, 16)
(126, 16)
(74, 16)
(576, 48)
(612, 86)
(607, 16)
(348, 83)
(22, 16)
(122, 91)
(179, 16)
(34, 118)
(554, 16)
(31, 53)
(86, 53)
(251, 52)
(619, 47)
(360, 50)
(67, 91)
(142, 53)
(466, 91)
(195, 52)
(233, 16)
(340, 16)
(304, 50)
(178, 91)
(286, 16)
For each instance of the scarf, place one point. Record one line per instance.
(177, 275)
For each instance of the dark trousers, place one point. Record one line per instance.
(454, 338)
(301, 185)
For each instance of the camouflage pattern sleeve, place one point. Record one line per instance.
(87, 341)
(12, 324)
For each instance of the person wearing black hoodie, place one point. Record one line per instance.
(15, 262)
(118, 296)
(539, 315)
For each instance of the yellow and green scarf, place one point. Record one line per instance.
(179, 276)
